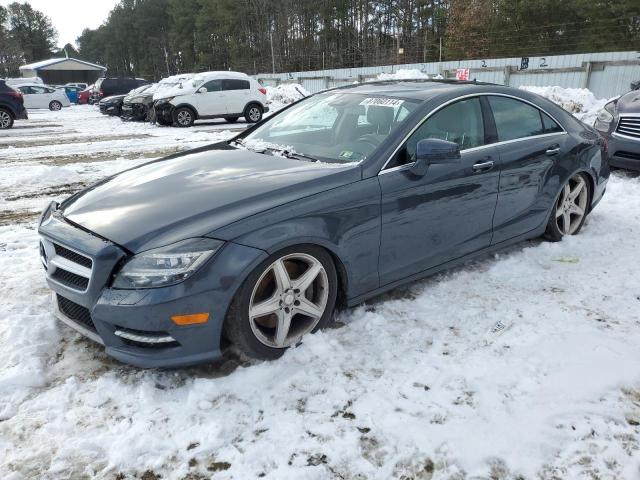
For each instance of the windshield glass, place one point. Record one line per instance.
(334, 127)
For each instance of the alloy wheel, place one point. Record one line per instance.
(184, 117)
(5, 119)
(254, 114)
(55, 106)
(288, 300)
(572, 205)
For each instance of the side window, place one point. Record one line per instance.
(235, 84)
(460, 122)
(39, 90)
(549, 124)
(515, 119)
(213, 86)
(25, 90)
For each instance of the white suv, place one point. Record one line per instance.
(228, 95)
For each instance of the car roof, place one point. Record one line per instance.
(222, 74)
(419, 89)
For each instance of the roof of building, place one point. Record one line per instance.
(44, 64)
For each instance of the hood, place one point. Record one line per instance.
(112, 98)
(629, 103)
(195, 193)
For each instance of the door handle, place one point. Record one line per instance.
(553, 150)
(483, 165)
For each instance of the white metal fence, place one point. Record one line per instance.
(606, 74)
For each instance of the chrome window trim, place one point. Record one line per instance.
(471, 95)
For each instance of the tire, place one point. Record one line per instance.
(183, 117)
(253, 113)
(55, 105)
(6, 119)
(232, 119)
(570, 209)
(258, 336)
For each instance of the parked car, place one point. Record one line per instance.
(109, 86)
(140, 106)
(331, 201)
(84, 95)
(137, 94)
(11, 106)
(111, 105)
(81, 86)
(43, 96)
(228, 95)
(619, 123)
(71, 92)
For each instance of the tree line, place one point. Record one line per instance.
(155, 38)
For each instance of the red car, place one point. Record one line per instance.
(83, 96)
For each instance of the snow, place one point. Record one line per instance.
(524, 363)
(284, 94)
(404, 74)
(581, 102)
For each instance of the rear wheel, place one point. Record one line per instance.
(570, 210)
(55, 105)
(183, 117)
(289, 295)
(232, 119)
(253, 113)
(6, 119)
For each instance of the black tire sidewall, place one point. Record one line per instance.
(249, 107)
(237, 328)
(55, 102)
(552, 232)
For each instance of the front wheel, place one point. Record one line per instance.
(570, 210)
(55, 106)
(289, 295)
(6, 119)
(253, 113)
(183, 117)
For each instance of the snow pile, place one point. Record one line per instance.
(581, 102)
(284, 94)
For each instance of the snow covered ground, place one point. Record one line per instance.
(523, 364)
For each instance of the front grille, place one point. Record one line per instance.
(70, 279)
(629, 155)
(629, 126)
(73, 256)
(75, 312)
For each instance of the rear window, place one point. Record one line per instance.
(232, 84)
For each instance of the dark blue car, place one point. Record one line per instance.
(336, 199)
(11, 106)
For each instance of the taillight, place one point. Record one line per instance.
(101, 93)
(263, 90)
(17, 96)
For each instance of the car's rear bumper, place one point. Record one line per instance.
(135, 326)
(22, 114)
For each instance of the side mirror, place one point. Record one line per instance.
(433, 150)
(202, 90)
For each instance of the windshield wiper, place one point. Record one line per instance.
(294, 155)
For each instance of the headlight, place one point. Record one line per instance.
(605, 116)
(166, 265)
(164, 100)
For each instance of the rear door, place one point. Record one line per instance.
(529, 142)
(446, 213)
(236, 93)
(34, 96)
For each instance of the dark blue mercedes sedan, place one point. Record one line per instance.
(339, 197)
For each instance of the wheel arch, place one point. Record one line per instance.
(189, 106)
(10, 110)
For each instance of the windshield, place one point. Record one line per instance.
(334, 127)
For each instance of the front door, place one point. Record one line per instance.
(35, 96)
(213, 101)
(446, 213)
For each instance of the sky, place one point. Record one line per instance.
(70, 17)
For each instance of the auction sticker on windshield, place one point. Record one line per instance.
(382, 102)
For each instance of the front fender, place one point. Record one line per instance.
(345, 221)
